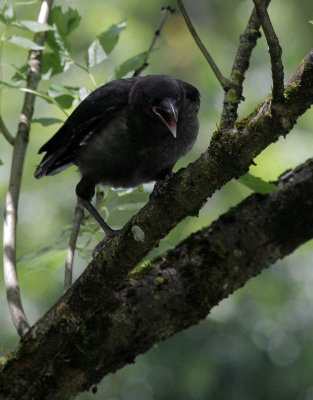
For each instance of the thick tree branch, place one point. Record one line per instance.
(164, 297)
(20, 144)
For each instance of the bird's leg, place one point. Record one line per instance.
(85, 190)
(110, 233)
(107, 230)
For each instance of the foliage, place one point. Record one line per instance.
(257, 184)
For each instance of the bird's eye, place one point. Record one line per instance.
(151, 100)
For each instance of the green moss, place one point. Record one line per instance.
(237, 253)
(159, 279)
(231, 96)
(236, 78)
(145, 268)
(291, 93)
(243, 123)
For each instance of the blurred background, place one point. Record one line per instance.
(257, 344)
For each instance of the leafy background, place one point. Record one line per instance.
(258, 343)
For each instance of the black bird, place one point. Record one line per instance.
(126, 132)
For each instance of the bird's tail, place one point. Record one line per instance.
(50, 165)
(60, 154)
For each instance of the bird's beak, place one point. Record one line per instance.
(168, 114)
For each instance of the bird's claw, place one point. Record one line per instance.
(100, 246)
(160, 184)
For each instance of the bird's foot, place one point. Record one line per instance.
(100, 246)
(160, 183)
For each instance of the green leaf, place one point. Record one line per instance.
(47, 121)
(60, 59)
(58, 90)
(66, 22)
(109, 38)
(25, 3)
(95, 54)
(257, 184)
(9, 13)
(131, 64)
(51, 259)
(54, 63)
(24, 42)
(104, 44)
(1, 162)
(35, 26)
(8, 85)
(8, 16)
(66, 96)
(21, 73)
(43, 95)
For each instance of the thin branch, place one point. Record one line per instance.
(20, 144)
(233, 96)
(78, 218)
(223, 81)
(166, 12)
(7, 135)
(274, 50)
(91, 77)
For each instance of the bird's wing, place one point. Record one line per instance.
(100, 106)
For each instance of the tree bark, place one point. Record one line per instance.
(162, 297)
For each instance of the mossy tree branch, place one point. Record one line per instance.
(169, 294)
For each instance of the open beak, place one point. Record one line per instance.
(167, 112)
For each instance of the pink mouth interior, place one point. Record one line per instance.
(170, 120)
(167, 118)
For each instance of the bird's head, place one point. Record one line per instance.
(157, 97)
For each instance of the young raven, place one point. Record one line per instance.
(126, 132)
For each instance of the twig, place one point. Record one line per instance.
(20, 144)
(9, 138)
(78, 218)
(223, 81)
(233, 96)
(7, 135)
(274, 50)
(166, 12)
